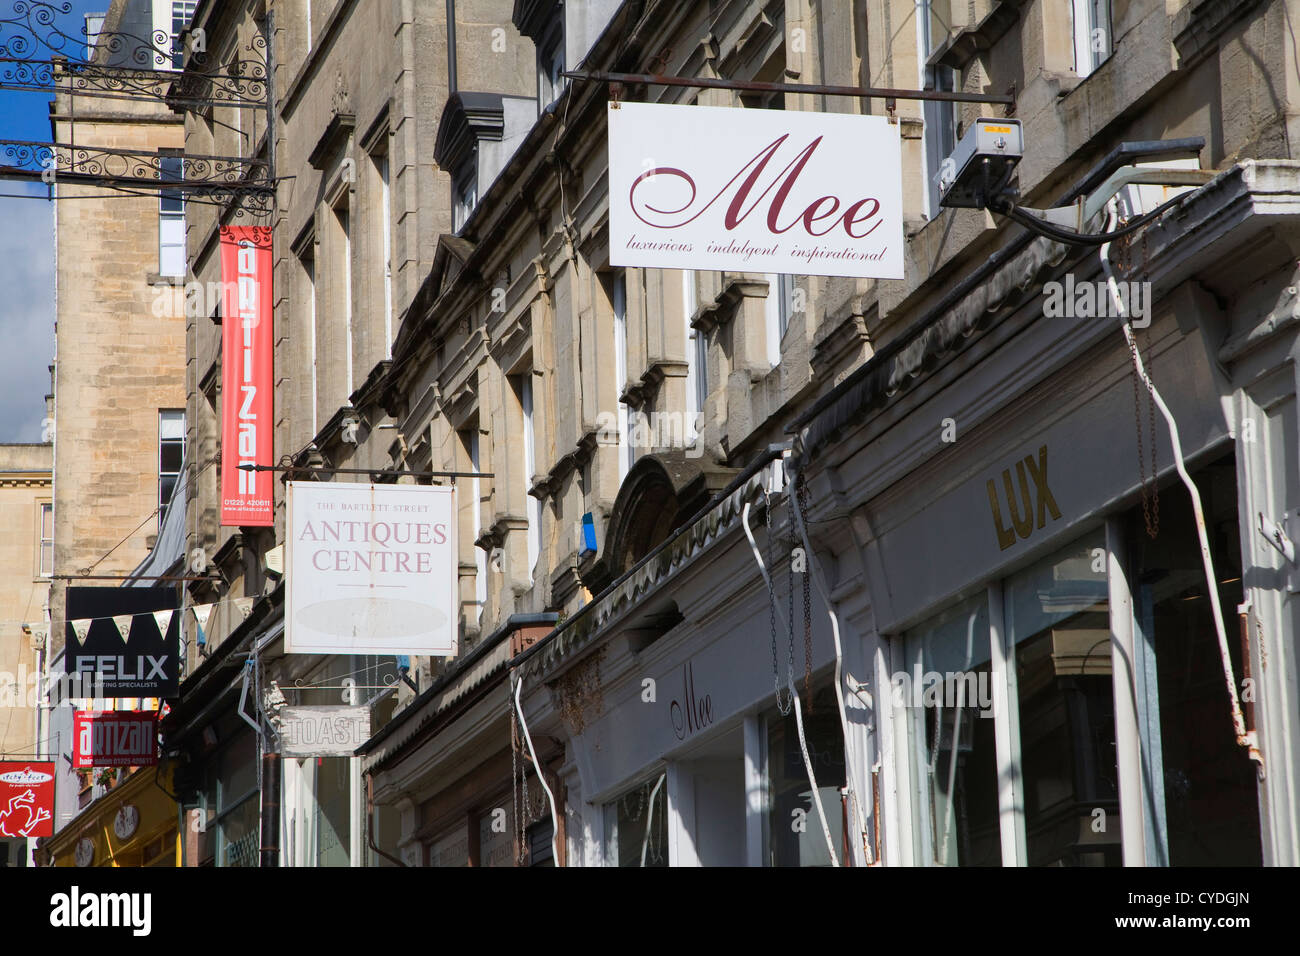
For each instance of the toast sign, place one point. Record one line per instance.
(748, 190)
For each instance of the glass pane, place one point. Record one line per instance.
(237, 776)
(794, 828)
(1059, 620)
(1210, 797)
(166, 485)
(496, 839)
(169, 456)
(171, 423)
(636, 825)
(333, 810)
(238, 835)
(949, 694)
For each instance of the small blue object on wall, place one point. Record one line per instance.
(403, 662)
(588, 533)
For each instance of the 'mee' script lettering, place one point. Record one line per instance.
(858, 218)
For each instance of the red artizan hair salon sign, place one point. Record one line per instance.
(753, 190)
(246, 383)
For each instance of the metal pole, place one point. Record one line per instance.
(270, 809)
(755, 86)
(369, 471)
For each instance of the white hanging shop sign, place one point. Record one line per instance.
(751, 190)
(329, 731)
(371, 569)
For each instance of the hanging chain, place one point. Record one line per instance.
(1150, 488)
(800, 501)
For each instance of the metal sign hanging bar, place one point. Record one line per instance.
(133, 577)
(236, 90)
(867, 92)
(370, 471)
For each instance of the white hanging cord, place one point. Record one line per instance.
(541, 776)
(1244, 739)
(956, 736)
(824, 594)
(650, 817)
(798, 709)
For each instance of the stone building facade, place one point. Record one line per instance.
(491, 336)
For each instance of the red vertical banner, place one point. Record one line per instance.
(247, 406)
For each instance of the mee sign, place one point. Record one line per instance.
(371, 569)
(752, 190)
(246, 383)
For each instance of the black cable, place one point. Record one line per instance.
(1053, 231)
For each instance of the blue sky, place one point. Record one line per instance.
(27, 249)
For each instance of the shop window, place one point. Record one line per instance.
(539, 844)
(229, 808)
(450, 849)
(947, 692)
(1053, 798)
(636, 825)
(1204, 793)
(794, 830)
(496, 836)
(1058, 622)
(333, 810)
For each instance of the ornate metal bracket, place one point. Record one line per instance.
(243, 88)
(33, 24)
(244, 184)
(123, 65)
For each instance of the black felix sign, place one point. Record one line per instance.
(147, 664)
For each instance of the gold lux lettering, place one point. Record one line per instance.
(1031, 477)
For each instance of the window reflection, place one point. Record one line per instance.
(948, 693)
(1058, 618)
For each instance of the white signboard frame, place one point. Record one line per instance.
(752, 190)
(370, 569)
(323, 731)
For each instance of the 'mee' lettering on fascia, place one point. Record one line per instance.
(400, 545)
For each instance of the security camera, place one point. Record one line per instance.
(981, 166)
